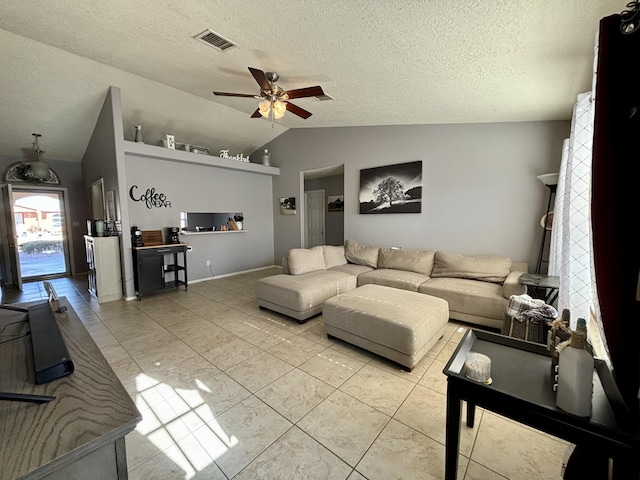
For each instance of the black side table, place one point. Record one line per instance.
(545, 287)
(521, 390)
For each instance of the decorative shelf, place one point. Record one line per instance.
(214, 232)
(154, 151)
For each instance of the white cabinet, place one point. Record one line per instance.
(103, 261)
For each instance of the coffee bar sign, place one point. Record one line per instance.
(151, 198)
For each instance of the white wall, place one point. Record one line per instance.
(480, 192)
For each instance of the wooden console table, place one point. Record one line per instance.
(78, 435)
(521, 390)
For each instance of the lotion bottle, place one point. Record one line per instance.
(575, 377)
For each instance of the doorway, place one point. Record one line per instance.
(321, 224)
(37, 233)
(314, 214)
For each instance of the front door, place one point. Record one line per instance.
(40, 225)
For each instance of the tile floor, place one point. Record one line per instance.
(227, 390)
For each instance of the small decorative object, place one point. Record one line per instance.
(138, 134)
(266, 157)
(169, 142)
(100, 228)
(336, 203)
(240, 157)
(558, 337)
(477, 367)
(238, 219)
(288, 205)
(223, 228)
(232, 224)
(575, 377)
(197, 149)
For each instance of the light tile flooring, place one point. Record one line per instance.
(227, 390)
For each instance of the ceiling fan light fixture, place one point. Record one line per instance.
(264, 107)
(278, 109)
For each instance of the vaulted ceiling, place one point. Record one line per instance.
(383, 62)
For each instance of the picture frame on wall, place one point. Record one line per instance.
(391, 189)
(288, 205)
(110, 201)
(335, 203)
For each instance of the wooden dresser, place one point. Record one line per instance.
(78, 435)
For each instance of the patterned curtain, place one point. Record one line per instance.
(570, 251)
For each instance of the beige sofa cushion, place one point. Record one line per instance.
(393, 278)
(305, 260)
(361, 254)
(487, 268)
(481, 299)
(333, 256)
(419, 261)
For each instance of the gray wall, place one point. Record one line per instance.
(480, 192)
(200, 188)
(70, 175)
(99, 158)
(333, 221)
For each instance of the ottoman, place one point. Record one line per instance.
(301, 296)
(396, 324)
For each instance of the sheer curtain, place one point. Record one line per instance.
(570, 250)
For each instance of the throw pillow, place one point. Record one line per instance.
(333, 256)
(419, 261)
(304, 260)
(361, 254)
(487, 268)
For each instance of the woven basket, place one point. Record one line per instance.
(530, 330)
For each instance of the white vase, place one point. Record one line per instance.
(575, 378)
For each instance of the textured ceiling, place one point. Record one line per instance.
(384, 62)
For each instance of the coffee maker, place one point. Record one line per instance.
(136, 237)
(173, 235)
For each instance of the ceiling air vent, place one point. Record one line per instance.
(212, 39)
(324, 96)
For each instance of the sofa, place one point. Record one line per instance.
(477, 288)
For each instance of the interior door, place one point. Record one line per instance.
(315, 206)
(11, 256)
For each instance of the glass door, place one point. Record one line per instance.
(41, 229)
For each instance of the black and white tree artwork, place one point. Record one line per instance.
(391, 189)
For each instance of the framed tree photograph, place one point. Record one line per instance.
(392, 188)
(336, 203)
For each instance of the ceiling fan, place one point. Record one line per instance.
(275, 100)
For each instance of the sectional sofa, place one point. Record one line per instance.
(477, 288)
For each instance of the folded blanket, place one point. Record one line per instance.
(521, 303)
(545, 313)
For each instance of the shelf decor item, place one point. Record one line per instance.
(138, 134)
(266, 157)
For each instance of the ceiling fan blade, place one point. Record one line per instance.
(226, 94)
(305, 92)
(256, 114)
(298, 111)
(261, 78)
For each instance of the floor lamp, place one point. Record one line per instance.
(550, 180)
